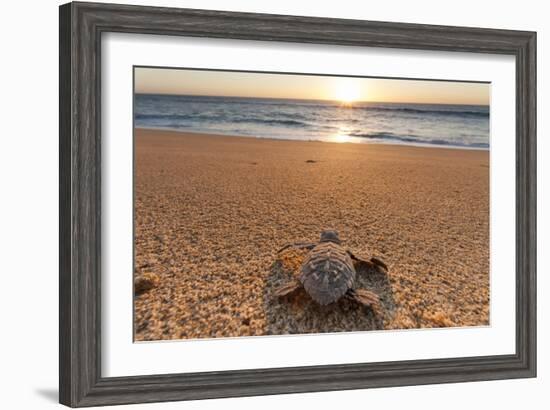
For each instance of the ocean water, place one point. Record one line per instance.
(463, 126)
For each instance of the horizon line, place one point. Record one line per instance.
(306, 99)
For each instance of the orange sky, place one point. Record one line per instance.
(227, 83)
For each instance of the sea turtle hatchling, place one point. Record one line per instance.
(328, 273)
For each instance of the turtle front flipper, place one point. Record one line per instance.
(298, 245)
(374, 263)
(366, 298)
(287, 288)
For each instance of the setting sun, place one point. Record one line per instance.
(347, 91)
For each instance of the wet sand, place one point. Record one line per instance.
(212, 211)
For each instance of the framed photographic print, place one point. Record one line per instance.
(260, 204)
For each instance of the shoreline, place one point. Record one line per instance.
(362, 141)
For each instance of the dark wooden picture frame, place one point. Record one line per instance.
(81, 27)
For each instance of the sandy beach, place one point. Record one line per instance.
(212, 211)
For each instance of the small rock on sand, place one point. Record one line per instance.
(145, 281)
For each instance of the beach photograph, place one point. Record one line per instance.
(271, 204)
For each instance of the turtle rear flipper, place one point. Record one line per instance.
(365, 298)
(287, 288)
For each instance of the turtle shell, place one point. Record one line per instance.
(327, 272)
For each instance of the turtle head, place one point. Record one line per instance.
(330, 235)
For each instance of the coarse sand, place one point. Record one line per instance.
(211, 212)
